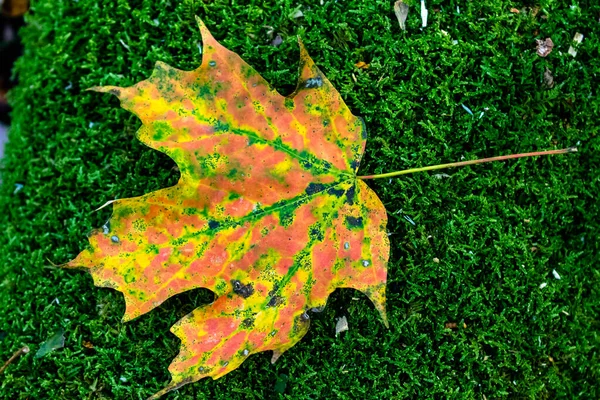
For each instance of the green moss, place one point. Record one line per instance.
(485, 238)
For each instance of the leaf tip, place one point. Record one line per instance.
(105, 204)
(63, 265)
(199, 22)
(303, 52)
(79, 262)
(206, 35)
(114, 90)
(276, 355)
(385, 320)
(377, 297)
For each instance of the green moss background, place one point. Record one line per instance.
(497, 230)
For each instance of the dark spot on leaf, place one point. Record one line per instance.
(286, 216)
(354, 164)
(205, 92)
(243, 290)
(115, 92)
(354, 223)
(213, 224)
(316, 233)
(306, 164)
(221, 286)
(221, 126)
(336, 192)
(248, 323)
(350, 194)
(289, 104)
(275, 301)
(315, 82)
(313, 188)
(212, 63)
(273, 292)
(114, 239)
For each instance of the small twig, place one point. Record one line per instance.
(18, 353)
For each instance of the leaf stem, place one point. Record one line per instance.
(470, 162)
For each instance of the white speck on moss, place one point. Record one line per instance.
(555, 274)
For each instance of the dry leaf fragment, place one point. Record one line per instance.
(56, 341)
(424, 14)
(515, 10)
(401, 11)
(341, 325)
(362, 65)
(277, 41)
(450, 325)
(577, 39)
(544, 47)
(548, 78)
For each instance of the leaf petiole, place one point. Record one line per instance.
(470, 162)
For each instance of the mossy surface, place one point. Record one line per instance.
(470, 246)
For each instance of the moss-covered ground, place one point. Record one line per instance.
(482, 243)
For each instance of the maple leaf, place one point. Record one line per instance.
(268, 212)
